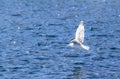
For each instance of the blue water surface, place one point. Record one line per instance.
(34, 35)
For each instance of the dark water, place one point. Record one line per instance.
(34, 34)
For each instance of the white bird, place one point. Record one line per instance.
(79, 37)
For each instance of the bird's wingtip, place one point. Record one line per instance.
(81, 22)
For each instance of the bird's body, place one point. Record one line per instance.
(79, 37)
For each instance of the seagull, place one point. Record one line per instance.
(79, 37)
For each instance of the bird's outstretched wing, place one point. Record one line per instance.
(79, 36)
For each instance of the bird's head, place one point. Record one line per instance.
(73, 40)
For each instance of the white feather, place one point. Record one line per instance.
(79, 36)
(85, 47)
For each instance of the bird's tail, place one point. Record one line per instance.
(85, 47)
